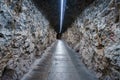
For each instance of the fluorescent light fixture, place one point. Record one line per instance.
(62, 11)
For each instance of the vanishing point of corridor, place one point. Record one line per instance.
(64, 65)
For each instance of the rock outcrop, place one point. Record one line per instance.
(95, 35)
(24, 35)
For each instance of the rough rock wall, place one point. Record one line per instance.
(24, 35)
(96, 36)
(72, 35)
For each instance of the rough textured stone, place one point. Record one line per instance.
(95, 35)
(24, 35)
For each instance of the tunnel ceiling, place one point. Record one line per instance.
(51, 9)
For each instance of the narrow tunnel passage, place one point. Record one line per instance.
(29, 30)
(61, 66)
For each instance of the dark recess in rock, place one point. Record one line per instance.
(1, 35)
(117, 19)
(100, 46)
(8, 74)
(1, 11)
(51, 9)
(58, 36)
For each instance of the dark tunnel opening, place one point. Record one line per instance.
(58, 36)
(51, 10)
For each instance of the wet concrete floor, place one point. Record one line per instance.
(63, 65)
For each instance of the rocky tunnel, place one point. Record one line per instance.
(29, 28)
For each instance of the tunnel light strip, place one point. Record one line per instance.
(62, 11)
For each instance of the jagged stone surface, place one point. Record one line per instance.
(24, 35)
(95, 35)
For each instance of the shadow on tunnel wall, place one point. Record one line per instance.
(51, 10)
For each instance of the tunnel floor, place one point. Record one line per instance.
(63, 66)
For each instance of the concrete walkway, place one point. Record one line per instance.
(63, 65)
